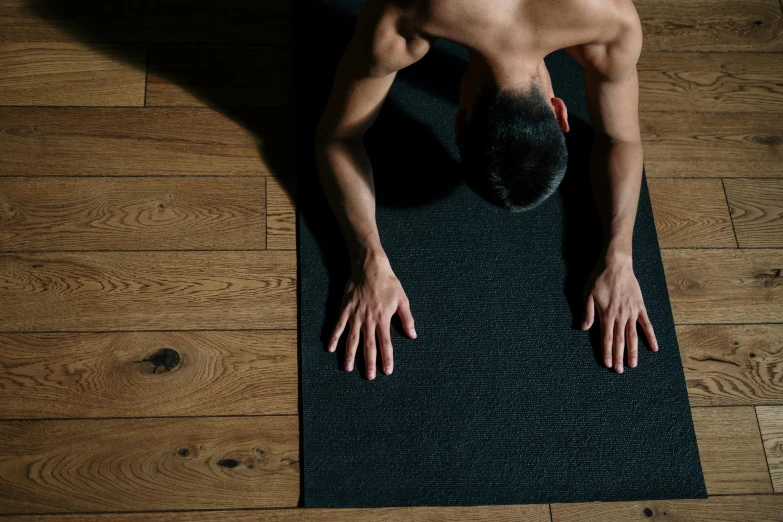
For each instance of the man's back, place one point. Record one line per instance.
(499, 30)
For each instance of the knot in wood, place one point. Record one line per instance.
(165, 357)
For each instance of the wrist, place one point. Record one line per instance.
(369, 254)
(613, 255)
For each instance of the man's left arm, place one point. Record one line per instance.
(616, 161)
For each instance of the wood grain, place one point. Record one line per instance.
(151, 213)
(771, 425)
(92, 291)
(281, 214)
(744, 508)
(725, 286)
(143, 141)
(712, 144)
(729, 365)
(127, 374)
(730, 449)
(238, 21)
(757, 211)
(495, 513)
(711, 25)
(695, 81)
(142, 464)
(55, 73)
(691, 213)
(217, 75)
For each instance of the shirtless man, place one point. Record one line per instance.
(509, 130)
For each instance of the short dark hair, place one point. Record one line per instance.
(514, 151)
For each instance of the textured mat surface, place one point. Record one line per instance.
(501, 399)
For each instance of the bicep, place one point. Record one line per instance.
(354, 101)
(612, 84)
(365, 73)
(613, 104)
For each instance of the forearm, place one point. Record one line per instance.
(616, 176)
(346, 175)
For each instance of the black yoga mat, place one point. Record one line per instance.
(501, 399)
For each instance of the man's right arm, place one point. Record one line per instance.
(364, 76)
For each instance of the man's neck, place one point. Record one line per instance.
(507, 75)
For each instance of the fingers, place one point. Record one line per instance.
(338, 329)
(648, 330)
(608, 326)
(632, 341)
(619, 343)
(386, 346)
(369, 348)
(352, 344)
(404, 309)
(589, 313)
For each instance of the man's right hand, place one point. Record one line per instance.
(372, 296)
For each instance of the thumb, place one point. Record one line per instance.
(404, 310)
(589, 313)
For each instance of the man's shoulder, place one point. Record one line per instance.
(387, 31)
(613, 42)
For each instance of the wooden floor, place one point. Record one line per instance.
(148, 266)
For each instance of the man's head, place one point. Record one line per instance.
(511, 140)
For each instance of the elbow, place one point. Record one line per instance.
(321, 134)
(321, 138)
(327, 132)
(325, 139)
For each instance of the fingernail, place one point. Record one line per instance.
(387, 369)
(633, 363)
(371, 374)
(349, 367)
(608, 363)
(619, 368)
(413, 333)
(655, 347)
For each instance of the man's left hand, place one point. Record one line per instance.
(614, 291)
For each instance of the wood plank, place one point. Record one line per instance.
(712, 144)
(140, 464)
(730, 449)
(281, 213)
(757, 211)
(711, 25)
(152, 213)
(729, 365)
(495, 513)
(127, 374)
(729, 445)
(53, 73)
(262, 21)
(217, 75)
(744, 508)
(89, 291)
(725, 286)
(691, 213)
(142, 141)
(694, 81)
(771, 424)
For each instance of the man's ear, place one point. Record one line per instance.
(459, 126)
(561, 112)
